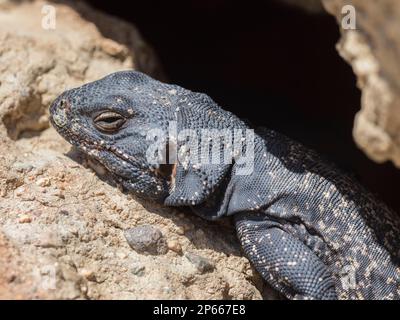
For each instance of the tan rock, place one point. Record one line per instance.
(373, 50)
(25, 219)
(174, 246)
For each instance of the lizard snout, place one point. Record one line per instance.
(58, 112)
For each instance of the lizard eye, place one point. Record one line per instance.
(109, 121)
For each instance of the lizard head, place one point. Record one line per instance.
(117, 120)
(110, 120)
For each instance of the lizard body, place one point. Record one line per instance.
(309, 229)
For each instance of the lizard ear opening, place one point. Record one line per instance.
(195, 182)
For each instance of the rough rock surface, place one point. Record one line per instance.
(373, 50)
(61, 227)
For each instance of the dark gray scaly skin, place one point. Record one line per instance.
(310, 230)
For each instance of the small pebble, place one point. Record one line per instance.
(138, 270)
(43, 182)
(202, 264)
(88, 274)
(20, 191)
(146, 239)
(174, 246)
(23, 167)
(50, 239)
(180, 231)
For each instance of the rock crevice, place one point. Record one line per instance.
(372, 49)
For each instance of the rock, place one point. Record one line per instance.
(373, 50)
(25, 219)
(62, 238)
(202, 264)
(146, 239)
(43, 182)
(72, 53)
(180, 230)
(138, 270)
(174, 246)
(89, 274)
(49, 239)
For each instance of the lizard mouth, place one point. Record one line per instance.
(93, 149)
(167, 172)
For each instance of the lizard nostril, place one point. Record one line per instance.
(64, 105)
(58, 113)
